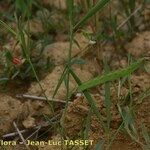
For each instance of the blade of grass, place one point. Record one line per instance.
(87, 127)
(129, 81)
(24, 41)
(90, 101)
(70, 7)
(3, 24)
(59, 82)
(87, 124)
(114, 136)
(3, 79)
(146, 136)
(110, 76)
(129, 125)
(99, 145)
(89, 3)
(143, 96)
(98, 7)
(107, 100)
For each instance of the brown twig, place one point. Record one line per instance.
(13, 134)
(21, 136)
(33, 97)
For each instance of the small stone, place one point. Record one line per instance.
(29, 122)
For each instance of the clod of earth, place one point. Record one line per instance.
(140, 45)
(9, 110)
(49, 83)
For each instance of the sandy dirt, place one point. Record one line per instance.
(26, 111)
(29, 113)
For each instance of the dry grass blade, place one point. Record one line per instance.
(35, 132)
(33, 97)
(13, 134)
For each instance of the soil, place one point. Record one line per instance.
(26, 112)
(29, 113)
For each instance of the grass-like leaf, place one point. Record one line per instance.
(110, 76)
(87, 125)
(98, 7)
(3, 79)
(146, 136)
(7, 27)
(143, 96)
(59, 82)
(99, 145)
(129, 123)
(107, 100)
(70, 7)
(90, 101)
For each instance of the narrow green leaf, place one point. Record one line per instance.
(90, 101)
(107, 100)
(145, 135)
(70, 7)
(3, 24)
(99, 145)
(98, 7)
(9, 56)
(3, 79)
(87, 125)
(60, 82)
(110, 76)
(143, 96)
(129, 122)
(78, 61)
